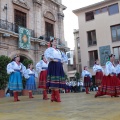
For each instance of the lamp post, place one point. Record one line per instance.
(5, 8)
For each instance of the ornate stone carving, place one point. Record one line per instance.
(38, 2)
(49, 15)
(21, 3)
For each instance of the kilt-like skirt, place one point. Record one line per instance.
(42, 79)
(98, 78)
(55, 76)
(15, 81)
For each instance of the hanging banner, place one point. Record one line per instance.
(24, 38)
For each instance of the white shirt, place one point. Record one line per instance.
(11, 67)
(109, 68)
(97, 68)
(86, 73)
(28, 72)
(41, 65)
(52, 53)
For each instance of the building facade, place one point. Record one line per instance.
(77, 50)
(71, 64)
(99, 32)
(42, 18)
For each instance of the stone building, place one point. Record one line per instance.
(42, 18)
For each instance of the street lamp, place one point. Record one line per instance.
(5, 8)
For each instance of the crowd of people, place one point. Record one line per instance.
(51, 76)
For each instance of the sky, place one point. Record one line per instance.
(71, 20)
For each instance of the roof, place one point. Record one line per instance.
(93, 5)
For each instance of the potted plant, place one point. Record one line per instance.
(25, 63)
(4, 77)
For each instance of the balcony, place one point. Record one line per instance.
(12, 27)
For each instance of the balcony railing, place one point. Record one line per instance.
(12, 27)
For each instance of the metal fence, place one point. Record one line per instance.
(12, 27)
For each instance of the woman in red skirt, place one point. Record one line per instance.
(42, 67)
(98, 70)
(87, 79)
(110, 84)
(118, 69)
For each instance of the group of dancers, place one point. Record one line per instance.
(50, 68)
(51, 75)
(107, 79)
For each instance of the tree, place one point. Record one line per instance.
(4, 77)
(77, 76)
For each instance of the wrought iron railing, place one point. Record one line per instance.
(12, 27)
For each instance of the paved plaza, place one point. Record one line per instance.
(74, 106)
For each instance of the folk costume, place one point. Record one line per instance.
(118, 71)
(110, 84)
(30, 75)
(41, 68)
(55, 78)
(98, 70)
(87, 80)
(16, 71)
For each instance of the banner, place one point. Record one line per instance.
(24, 38)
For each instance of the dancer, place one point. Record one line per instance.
(87, 79)
(30, 75)
(98, 70)
(16, 69)
(118, 69)
(110, 84)
(41, 68)
(55, 78)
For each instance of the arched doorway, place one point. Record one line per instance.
(22, 58)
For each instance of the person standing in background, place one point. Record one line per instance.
(41, 68)
(30, 75)
(87, 79)
(16, 70)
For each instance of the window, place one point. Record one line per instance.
(113, 9)
(49, 30)
(116, 52)
(98, 11)
(89, 16)
(91, 38)
(20, 18)
(115, 31)
(104, 9)
(93, 55)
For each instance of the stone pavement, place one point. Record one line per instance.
(74, 106)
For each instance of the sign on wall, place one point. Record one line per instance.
(104, 54)
(24, 38)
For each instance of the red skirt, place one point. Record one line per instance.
(110, 86)
(87, 82)
(42, 79)
(98, 78)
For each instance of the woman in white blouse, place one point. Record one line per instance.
(16, 70)
(41, 68)
(110, 83)
(86, 75)
(98, 70)
(55, 78)
(30, 75)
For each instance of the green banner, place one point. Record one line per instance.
(24, 38)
